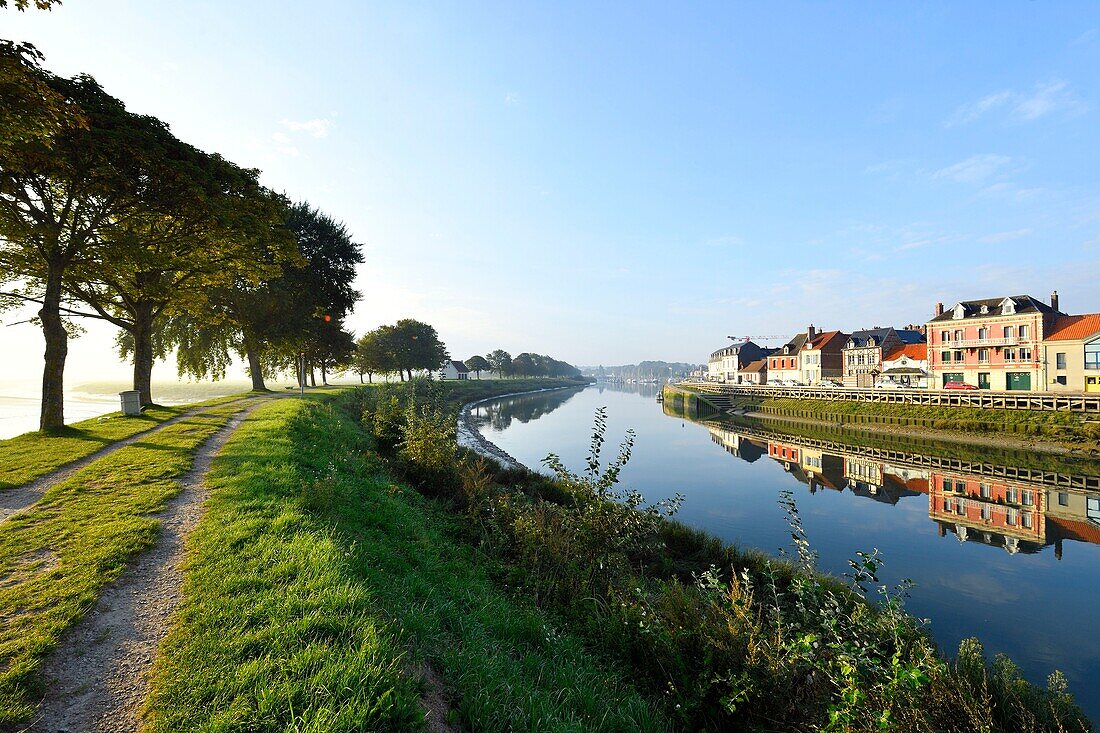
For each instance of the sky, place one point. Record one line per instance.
(612, 182)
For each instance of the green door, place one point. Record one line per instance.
(983, 380)
(952, 377)
(1018, 380)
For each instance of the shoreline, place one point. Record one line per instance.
(469, 436)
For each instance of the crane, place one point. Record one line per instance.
(757, 338)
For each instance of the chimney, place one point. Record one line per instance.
(939, 309)
(1054, 300)
(811, 332)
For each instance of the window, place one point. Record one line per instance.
(985, 490)
(1011, 496)
(1060, 380)
(945, 335)
(983, 356)
(983, 333)
(1092, 508)
(1063, 498)
(1060, 360)
(1010, 354)
(960, 506)
(987, 512)
(960, 487)
(1028, 498)
(958, 356)
(947, 505)
(1024, 354)
(958, 335)
(1023, 332)
(1008, 332)
(945, 356)
(1092, 355)
(1025, 520)
(1010, 517)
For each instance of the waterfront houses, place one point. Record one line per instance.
(783, 365)
(906, 366)
(1071, 354)
(865, 352)
(995, 343)
(822, 358)
(725, 364)
(754, 373)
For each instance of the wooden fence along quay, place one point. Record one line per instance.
(931, 397)
(910, 459)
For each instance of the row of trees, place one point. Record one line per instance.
(105, 214)
(400, 348)
(522, 365)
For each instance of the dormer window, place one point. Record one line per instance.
(1008, 307)
(960, 312)
(985, 309)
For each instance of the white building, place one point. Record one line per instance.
(454, 370)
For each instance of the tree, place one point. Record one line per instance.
(171, 260)
(372, 355)
(415, 345)
(477, 364)
(59, 193)
(524, 364)
(22, 5)
(500, 361)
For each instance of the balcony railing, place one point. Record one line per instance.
(979, 343)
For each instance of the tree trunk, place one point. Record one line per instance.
(360, 377)
(142, 332)
(410, 375)
(324, 372)
(52, 415)
(312, 377)
(255, 369)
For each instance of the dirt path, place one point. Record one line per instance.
(16, 500)
(98, 677)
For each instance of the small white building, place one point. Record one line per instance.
(454, 370)
(906, 366)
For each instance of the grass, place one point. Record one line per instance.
(317, 585)
(32, 455)
(57, 556)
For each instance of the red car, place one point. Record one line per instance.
(958, 385)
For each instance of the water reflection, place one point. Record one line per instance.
(1018, 509)
(499, 414)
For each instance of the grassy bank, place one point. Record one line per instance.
(322, 594)
(1072, 430)
(56, 556)
(717, 637)
(32, 455)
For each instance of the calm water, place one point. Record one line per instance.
(1014, 562)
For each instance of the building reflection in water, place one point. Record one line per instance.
(1017, 516)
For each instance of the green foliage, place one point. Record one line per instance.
(477, 364)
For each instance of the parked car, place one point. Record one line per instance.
(829, 383)
(889, 384)
(958, 385)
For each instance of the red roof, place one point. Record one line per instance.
(917, 352)
(1072, 328)
(822, 340)
(1082, 531)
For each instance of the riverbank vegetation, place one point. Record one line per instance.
(717, 637)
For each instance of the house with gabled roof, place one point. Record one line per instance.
(725, 364)
(822, 357)
(1071, 354)
(454, 370)
(783, 363)
(865, 350)
(754, 373)
(993, 343)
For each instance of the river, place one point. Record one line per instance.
(1001, 545)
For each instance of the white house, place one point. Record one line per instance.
(906, 365)
(454, 370)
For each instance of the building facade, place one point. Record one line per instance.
(906, 366)
(725, 364)
(754, 373)
(783, 364)
(866, 349)
(454, 370)
(1071, 354)
(991, 344)
(822, 358)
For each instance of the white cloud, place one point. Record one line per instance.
(975, 169)
(1045, 98)
(511, 99)
(998, 237)
(317, 128)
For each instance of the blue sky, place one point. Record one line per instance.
(615, 182)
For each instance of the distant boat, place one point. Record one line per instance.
(660, 397)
